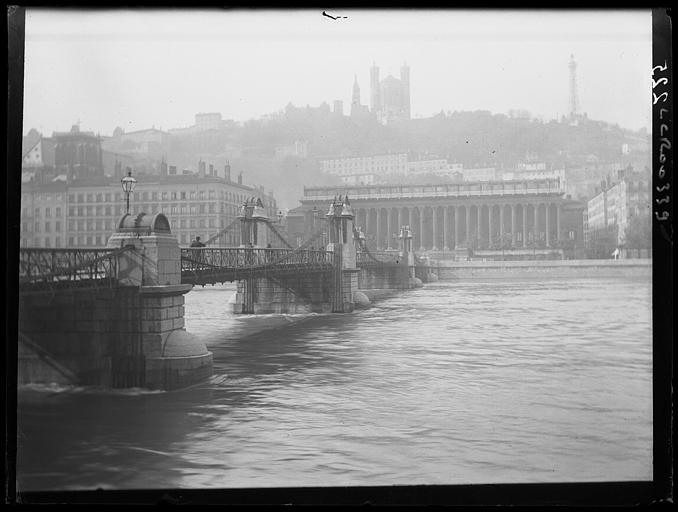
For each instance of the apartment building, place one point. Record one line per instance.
(362, 165)
(85, 213)
(615, 204)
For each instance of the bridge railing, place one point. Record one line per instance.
(373, 258)
(238, 259)
(76, 267)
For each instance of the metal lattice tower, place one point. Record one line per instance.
(574, 100)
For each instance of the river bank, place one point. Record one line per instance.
(452, 270)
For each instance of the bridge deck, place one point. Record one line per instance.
(217, 265)
(51, 270)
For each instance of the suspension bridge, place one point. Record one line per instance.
(115, 316)
(258, 254)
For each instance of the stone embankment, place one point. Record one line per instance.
(451, 270)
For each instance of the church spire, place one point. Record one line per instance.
(356, 91)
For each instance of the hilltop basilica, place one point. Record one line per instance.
(389, 98)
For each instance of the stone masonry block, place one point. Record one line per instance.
(151, 302)
(151, 344)
(158, 326)
(153, 314)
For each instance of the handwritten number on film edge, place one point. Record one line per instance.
(665, 142)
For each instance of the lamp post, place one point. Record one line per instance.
(314, 216)
(316, 219)
(128, 184)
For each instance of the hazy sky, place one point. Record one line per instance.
(143, 68)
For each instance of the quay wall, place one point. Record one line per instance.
(452, 270)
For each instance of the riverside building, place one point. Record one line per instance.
(84, 213)
(612, 209)
(476, 215)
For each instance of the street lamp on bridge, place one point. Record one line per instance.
(128, 183)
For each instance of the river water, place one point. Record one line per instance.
(459, 382)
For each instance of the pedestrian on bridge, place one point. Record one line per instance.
(197, 242)
(197, 255)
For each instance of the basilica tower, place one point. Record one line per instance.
(375, 99)
(574, 99)
(405, 79)
(355, 99)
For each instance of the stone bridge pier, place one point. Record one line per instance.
(131, 335)
(398, 271)
(342, 243)
(407, 253)
(299, 292)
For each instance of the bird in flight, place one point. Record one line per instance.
(333, 17)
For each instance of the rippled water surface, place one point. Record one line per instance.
(455, 383)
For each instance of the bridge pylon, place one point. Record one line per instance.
(407, 257)
(253, 234)
(253, 223)
(342, 243)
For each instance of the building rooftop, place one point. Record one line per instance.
(145, 130)
(29, 141)
(74, 134)
(460, 189)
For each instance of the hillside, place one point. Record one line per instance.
(474, 139)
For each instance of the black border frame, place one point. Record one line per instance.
(659, 491)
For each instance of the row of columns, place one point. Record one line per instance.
(455, 226)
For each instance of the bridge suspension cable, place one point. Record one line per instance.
(236, 221)
(222, 232)
(272, 228)
(366, 250)
(199, 258)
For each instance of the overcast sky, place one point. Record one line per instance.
(143, 68)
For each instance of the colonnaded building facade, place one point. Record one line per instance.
(477, 215)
